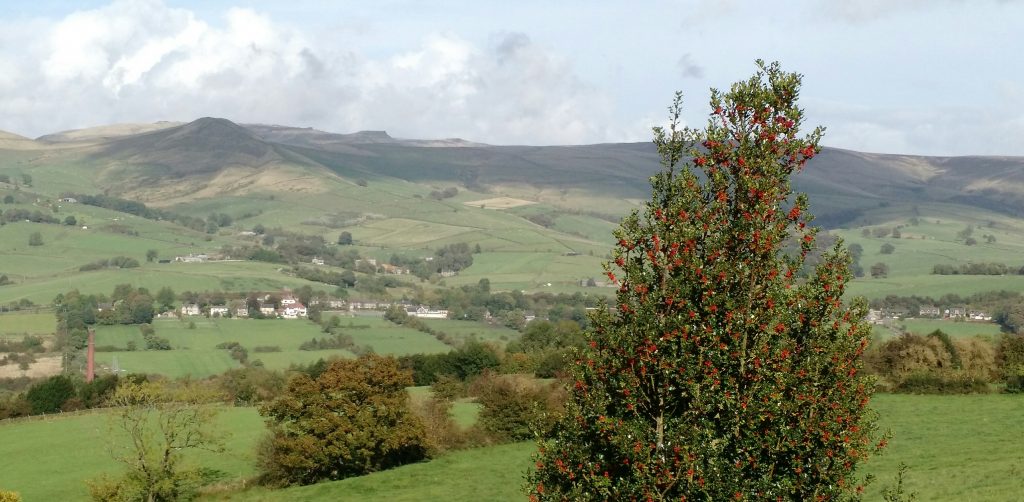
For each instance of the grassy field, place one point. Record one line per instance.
(951, 328)
(465, 330)
(195, 351)
(493, 474)
(33, 323)
(389, 338)
(958, 448)
(933, 240)
(50, 459)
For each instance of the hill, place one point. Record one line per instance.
(541, 215)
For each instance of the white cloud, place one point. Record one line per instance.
(140, 61)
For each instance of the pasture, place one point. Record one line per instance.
(195, 351)
(388, 338)
(32, 323)
(957, 447)
(51, 458)
(951, 328)
(465, 330)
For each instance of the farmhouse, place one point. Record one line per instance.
(978, 315)
(192, 258)
(317, 260)
(426, 312)
(929, 311)
(956, 312)
(293, 311)
(218, 311)
(242, 312)
(69, 200)
(268, 309)
(190, 309)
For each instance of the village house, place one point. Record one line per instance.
(365, 304)
(929, 311)
(191, 309)
(956, 312)
(218, 311)
(268, 309)
(317, 260)
(425, 312)
(69, 200)
(192, 258)
(293, 311)
(978, 315)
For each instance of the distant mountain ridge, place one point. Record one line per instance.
(162, 163)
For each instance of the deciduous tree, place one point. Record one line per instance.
(161, 422)
(717, 375)
(350, 420)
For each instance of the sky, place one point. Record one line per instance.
(924, 77)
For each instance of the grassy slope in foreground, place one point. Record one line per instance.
(958, 448)
(50, 459)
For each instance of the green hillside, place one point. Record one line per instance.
(542, 216)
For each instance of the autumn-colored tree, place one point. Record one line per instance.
(718, 375)
(352, 419)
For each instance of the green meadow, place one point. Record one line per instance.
(951, 328)
(50, 458)
(465, 330)
(958, 448)
(388, 338)
(32, 323)
(195, 353)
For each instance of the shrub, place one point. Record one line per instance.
(50, 395)
(6, 496)
(352, 419)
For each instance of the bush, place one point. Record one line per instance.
(514, 408)
(351, 420)
(941, 382)
(50, 395)
(6, 496)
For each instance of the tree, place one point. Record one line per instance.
(879, 270)
(26, 179)
(50, 395)
(718, 375)
(151, 255)
(887, 248)
(162, 421)
(165, 299)
(35, 239)
(71, 221)
(8, 199)
(345, 239)
(352, 419)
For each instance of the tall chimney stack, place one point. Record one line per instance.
(90, 362)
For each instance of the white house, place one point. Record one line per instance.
(268, 309)
(242, 312)
(191, 309)
(294, 311)
(427, 313)
(218, 310)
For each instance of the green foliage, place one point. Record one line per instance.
(879, 270)
(35, 239)
(1010, 355)
(352, 419)
(514, 409)
(50, 395)
(718, 376)
(345, 239)
(161, 421)
(887, 248)
(70, 221)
